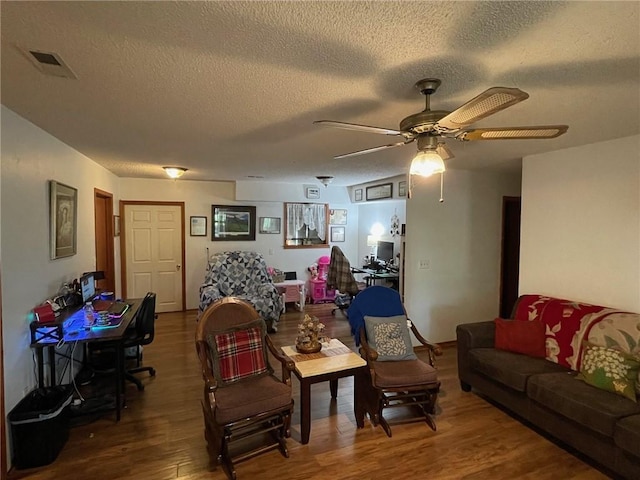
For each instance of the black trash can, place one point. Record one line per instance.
(40, 426)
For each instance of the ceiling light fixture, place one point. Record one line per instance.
(426, 163)
(325, 179)
(174, 172)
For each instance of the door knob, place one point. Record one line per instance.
(177, 267)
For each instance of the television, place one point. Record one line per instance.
(87, 287)
(384, 251)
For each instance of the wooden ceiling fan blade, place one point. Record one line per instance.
(513, 133)
(444, 151)
(370, 150)
(487, 103)
(360, 128)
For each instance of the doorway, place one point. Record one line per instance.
(152, 252)
(105, 260)
(510, 264)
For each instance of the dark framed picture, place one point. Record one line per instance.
(198, 226)
(402, 189)
(233, 223)
(269, 225)
(378, 192)
(63, 218)
(358, 195)
(337, 234)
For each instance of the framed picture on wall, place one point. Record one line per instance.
(63, 216)
(198, 226)
(402, 189)
(233, 223)
(269, 225)
(337, 234)
(338, 216)
(378, 192)
(358, 195)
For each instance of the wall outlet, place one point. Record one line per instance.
(424, 264)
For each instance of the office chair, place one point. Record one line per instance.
(141, 334)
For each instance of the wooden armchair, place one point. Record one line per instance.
(242, 396)
(397, 377)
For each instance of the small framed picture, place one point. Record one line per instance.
(402, 189)
(269, 225)
(378, 192)
(116, 225)
(358, 195)
(312, 192)
(62, 219)
(337, 216)
(198, 226)
(337, 234)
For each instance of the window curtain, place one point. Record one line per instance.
(311, 215)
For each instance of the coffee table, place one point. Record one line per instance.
(334, 361)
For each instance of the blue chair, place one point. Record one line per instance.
(396, 376)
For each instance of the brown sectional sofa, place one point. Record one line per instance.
(600, 424)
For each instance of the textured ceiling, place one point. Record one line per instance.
(230, 89)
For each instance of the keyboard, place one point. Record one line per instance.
(115, 308)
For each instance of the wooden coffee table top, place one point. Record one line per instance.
(335, 356)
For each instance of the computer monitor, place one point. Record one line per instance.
(384, 251)
(87, 287)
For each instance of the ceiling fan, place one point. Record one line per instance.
(431, 127)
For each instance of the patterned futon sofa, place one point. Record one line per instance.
(243, 275)
(547, 390)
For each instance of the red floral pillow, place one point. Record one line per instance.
(521, 336)
(240, 354)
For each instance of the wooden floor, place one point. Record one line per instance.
(160, 435)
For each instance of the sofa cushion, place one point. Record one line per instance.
(627, 434)
(610, 370)
(510, 369)
(520, 336)
(588, 406)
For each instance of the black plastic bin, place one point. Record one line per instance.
(40, 426)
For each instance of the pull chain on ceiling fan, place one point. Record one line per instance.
(430, 128)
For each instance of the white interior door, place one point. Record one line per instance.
(154, 248)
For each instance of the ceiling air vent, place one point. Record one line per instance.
(49, 63)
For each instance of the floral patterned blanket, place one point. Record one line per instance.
(569, 324)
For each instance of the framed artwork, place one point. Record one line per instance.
(358, 195)
(269, 225)
(312, 192)
(337, 234)
(402, 189)
(233, 223)
(116, 225)
(378, 192)
(198, 226)
(338, 217)
(63, 218)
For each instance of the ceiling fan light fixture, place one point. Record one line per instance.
(426, 163)
(174, 172)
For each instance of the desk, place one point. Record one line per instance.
(374, 275)
(334, 361)
(293, 292)
(74, 332)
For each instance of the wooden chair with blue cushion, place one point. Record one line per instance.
(397, 377)
(243, 400)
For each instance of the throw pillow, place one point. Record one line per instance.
(239, 352)
(610, 370)
(390, 337)
(521, 336)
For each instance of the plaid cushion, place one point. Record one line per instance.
(240, 354)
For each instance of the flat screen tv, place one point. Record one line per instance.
(87, 287)
(384, 251)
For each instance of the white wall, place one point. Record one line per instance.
(198, 198)
(30, 158)
(461, 240)
(581, 224)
